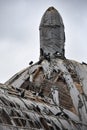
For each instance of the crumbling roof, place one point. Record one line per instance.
(49, 95)
(54, 91)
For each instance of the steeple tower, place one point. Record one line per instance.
(52, 35)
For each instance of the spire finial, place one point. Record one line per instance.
(52, 35)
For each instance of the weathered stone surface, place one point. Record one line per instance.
(58, 84)
(48, 95)
(52, 36)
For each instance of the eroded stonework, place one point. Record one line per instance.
(52, 35)
(49, 95)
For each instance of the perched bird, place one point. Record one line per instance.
(23, 93)
(31, 62)
(37, 108)
(54, 71)
(39, 62)
(62, 114)
(47, 56)
(57, 54)
(41, 94)
(34, 93)
(18, 89)
(84, 63)
(58, 114)
(65, 115)
(41, 52)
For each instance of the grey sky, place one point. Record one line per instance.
(19, 31)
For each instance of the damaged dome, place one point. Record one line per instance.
(48, 95)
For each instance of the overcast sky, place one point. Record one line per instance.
(19, 32)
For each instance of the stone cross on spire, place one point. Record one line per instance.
(52, 35)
